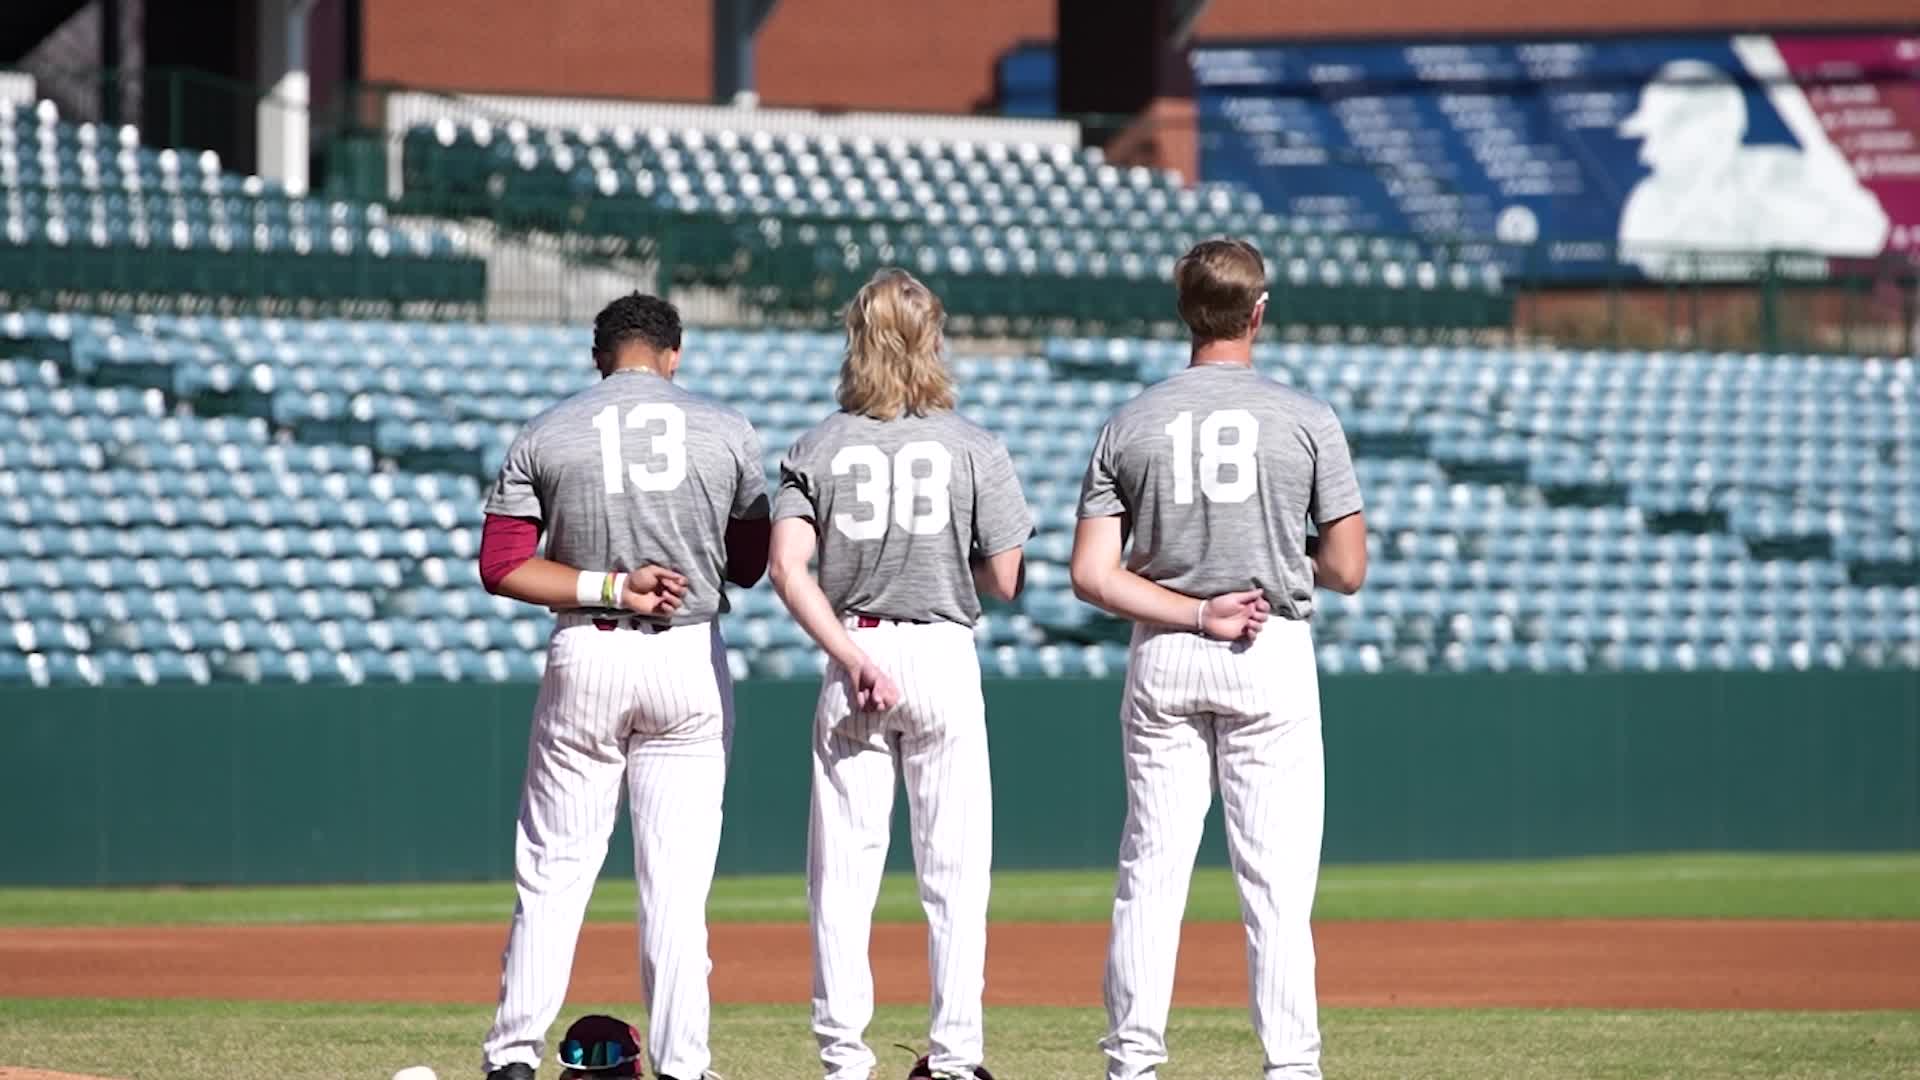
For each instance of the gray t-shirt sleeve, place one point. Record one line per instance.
(1099, 495)
(798, 491)
(1001, 518)
(514, 493)
(750, 495)
(1336, 493)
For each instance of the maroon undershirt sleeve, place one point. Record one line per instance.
(505, 543)
(747, 543)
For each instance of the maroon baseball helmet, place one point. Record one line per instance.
(598, 1045)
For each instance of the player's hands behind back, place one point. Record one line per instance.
(653, 590)
(1232, 616)
(873, 689)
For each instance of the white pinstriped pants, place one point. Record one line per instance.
(654, 709)
(937, 737)
(1197, 711)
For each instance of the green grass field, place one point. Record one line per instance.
(167, 1040)
(1876, 886)
(173, 1040)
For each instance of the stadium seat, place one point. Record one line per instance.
(311, 514)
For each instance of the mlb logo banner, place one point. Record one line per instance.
(1669, 157)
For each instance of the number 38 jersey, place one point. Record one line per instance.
(1219, 468)
(900, 507)
(637, 470)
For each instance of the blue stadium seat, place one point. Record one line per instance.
(370, 559)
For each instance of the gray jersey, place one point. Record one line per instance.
(900, 507)
(633, 471)
(1219, 469)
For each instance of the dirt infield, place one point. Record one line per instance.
(1613, 964)
(40, 1074)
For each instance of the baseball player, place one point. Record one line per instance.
(1218, 470)
(650, 496)
(913, 511)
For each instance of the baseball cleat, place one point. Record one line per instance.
(515, 1071)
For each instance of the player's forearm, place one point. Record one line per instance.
(1122, 592)
(811, 609)
(549, 584)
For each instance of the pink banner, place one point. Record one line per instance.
(1866, 93)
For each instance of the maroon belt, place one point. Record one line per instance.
(868, 622)
(630, 622)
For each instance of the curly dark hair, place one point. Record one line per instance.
(636, 317)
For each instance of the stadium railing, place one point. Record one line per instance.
(782, 269)
(548, 245)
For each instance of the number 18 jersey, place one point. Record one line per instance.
(901, 506)
(1219, 468)
(637, 470)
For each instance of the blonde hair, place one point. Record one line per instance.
(895, 364)
(1219, 283)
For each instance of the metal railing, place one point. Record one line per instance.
(556, 255)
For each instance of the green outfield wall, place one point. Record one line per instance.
(413, 783)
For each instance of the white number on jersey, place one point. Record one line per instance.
(919, 504)
(870, 492)
(1215, 455)
(666, 466)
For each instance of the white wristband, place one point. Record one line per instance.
(586, 588)
(1200, 617)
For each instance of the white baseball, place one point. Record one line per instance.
(416, 1072)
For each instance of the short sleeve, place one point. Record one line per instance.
(1001, 519)
(750, 493)
(1099, 494)
(798, 486)
(1336, 493)
(514, 493)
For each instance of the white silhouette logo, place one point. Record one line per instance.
(1709, 193)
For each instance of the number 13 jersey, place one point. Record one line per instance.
(901, 506)
(637, 470)
(1219, 468)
